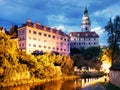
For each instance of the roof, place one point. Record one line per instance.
(41, 27)
(1, 28)
(115, 66)
(83, 34)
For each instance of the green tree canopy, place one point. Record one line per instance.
(113, 29)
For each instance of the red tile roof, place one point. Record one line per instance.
(41, 27)
(83, 34)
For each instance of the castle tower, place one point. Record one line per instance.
(85, 24)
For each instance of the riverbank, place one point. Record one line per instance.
(36, 81)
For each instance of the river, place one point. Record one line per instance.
(55, 85)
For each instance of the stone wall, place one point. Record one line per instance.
(115, 77)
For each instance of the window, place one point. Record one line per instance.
(57, 48)
(40, 33)
(29, 44)
(94, 43)
(45, 34)
(61, 43)
(49, 35)
(61, 38)
(53, 36)
(61, 49)
(22, 44)
(94, 38)
(29, 37)
(39, 46)
(34, 45)
(34, 38)
(89, 43)
(34, 32)
(64, 49)
(49, 47)
(45, 40)
(44, 46)
(53, 47)
(65, 39)
(29, 31)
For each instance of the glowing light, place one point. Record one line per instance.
(106, 61)
(106, 66)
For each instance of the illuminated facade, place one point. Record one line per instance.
(35, 37)
(85, 38)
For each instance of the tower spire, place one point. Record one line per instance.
(86, 11)
(85, 24)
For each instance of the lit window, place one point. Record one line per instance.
(34, 38)
(34, 45)
(39, 46)
(44, 46)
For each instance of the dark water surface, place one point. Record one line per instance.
(53, 85)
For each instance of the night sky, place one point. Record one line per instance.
(62, 14)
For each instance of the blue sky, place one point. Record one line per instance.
(62, 14)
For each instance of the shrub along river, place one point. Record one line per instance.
(76, 84)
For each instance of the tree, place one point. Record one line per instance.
(113, 29)
(13, 31)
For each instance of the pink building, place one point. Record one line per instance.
(35, 37)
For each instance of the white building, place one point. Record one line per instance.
(85, 38)
(35, 37)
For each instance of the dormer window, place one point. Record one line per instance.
(86, 34)
(78, 34)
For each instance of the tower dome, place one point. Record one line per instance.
(85, 24)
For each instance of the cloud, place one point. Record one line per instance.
(98, 30)
(102, 35)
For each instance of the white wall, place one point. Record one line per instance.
(115, 77)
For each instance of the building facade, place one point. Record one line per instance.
(85, 38)
(114, 74)
(35, 37)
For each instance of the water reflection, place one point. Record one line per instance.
(55, 85)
